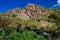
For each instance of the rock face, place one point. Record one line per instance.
(37, 11)
(30, 11)
(44, 23)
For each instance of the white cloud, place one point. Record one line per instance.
(58, 2)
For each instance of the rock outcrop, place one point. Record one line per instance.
(30, 11)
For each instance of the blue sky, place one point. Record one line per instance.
(10, 4)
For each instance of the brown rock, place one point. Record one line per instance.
(30, 11)
(44, 23)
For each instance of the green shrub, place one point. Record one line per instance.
(23, 35)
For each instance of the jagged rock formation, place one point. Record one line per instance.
(30, 11)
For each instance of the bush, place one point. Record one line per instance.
(23, 35)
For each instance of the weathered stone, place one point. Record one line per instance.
(30, 11)
(44, 24)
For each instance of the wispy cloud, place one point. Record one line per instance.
(57, 5)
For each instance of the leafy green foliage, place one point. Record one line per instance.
(23, 35)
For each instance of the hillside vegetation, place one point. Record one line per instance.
(33, 22)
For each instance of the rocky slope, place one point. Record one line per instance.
(30, 11)
(39, 19)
